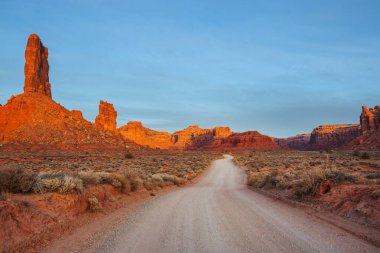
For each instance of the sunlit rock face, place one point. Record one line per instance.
(370, 130)
(333, 136)
(246, 140)
(136, 132)
(300, 142)
(33, 118)
(36, 67)
(106, 118)
(370, 119)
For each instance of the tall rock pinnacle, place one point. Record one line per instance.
(36, 67)
(106, 118)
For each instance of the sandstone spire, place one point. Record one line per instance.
(370, 119)
(36, 67)
(106, 118)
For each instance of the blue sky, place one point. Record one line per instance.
(279, 67)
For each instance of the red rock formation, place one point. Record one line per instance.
(33, 118)
(247, 140)
(333, 136)
(194, 137)
(77, 114)
(221, 131)
(106, 118)
(36, 67)
(370, 119)
(136, 132)
(300, 142)
(370, 130)
(186, 136)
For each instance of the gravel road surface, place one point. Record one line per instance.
(219, 214)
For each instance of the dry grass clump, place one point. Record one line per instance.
(16, 181)
(57, 182)
(304, 173)
(94, 204)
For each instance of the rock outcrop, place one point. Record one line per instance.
(221, 132)
(33, 119)
(36, 67)
(369, 137)
(106, 118)
(300, 142)
(136, 132)
(333, 136)
(194, 138)
(246, 140)
(370, 119)
(189, 135)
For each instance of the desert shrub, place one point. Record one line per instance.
(117, 180)
(89, 178)
(148, 185)
(375, 194)
(168, 178)
(340, 176)
(70, 184)
(3, 196)
(373, 175)
(16, 180)
(128, 155)
(307, 185)
(93, 204)
(57, 182)
(133, 179)
(365, 155)
(258, 179)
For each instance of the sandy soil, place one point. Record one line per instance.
(219, 214)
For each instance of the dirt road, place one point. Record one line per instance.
(219, 214)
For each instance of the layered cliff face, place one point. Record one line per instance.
(194, 137)
(190, 137)
(36, 67)
(246, 140)
(136, 132)
(221, 132)
(370, 130)
(33, 118)
(300, 142)
(333, 136)
(106, 118)
(370, 119)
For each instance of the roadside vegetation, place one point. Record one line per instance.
(127, 172)
(309, 174)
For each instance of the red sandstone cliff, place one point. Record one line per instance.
(246, 140)
(333, 136)
(33, 118)
(136, 132)
(106, 118)
(370, 130)
(194, 137)
(300, 142)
